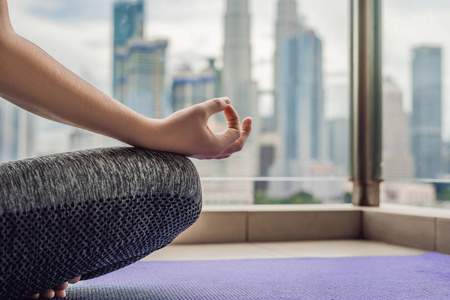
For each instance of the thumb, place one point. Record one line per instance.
(216, 105)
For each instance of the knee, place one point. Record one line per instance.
(195, 208)
(190, 208)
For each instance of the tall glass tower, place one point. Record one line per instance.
(301, 103)
(286, 25)
(237, 62)
(145, 71)
(237, 84)
(128, 24)
(301, 98)
(426, 119)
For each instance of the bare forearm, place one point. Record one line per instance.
(36, 82)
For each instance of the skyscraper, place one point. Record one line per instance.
(236, 76)
(139, 64)
(144, 69)
(301, 103)
(286, 25)
(426, 120)
(301, 98)
(128, 24)
(128, 20)
(189, 88)
(397, 157)
(237, 83)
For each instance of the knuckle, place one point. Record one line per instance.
(238, 134)
(217, 102)
(198, 110)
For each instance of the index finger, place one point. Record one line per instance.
(233, 132)
(237, 145)
(232, 118)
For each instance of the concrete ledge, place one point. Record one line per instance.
(408, 210)
(418, 227)
(410, 231)
(216, 227)
(264, 223)
(443, 235)
(306, 225)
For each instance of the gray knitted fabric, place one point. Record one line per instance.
(89, 213)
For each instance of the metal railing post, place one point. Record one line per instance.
(366, 101)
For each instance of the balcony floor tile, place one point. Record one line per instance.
(338, 248)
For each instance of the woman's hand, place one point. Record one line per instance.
(187, 132)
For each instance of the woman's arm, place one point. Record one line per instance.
(33, 80)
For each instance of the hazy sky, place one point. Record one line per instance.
(78, 33)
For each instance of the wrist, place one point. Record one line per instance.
(146, 133)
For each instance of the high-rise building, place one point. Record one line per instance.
(144, 69)
(139, 64)
(237, 83)
(189, 88)
(128, 20)
(287, 24)
(128, 24)
(301, 103)
(301, 100)
(236, 75)
(397, 158)
(426, 120)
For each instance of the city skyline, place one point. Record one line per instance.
(325, 41)
(309, 141)
(76, 30)
(206, 31)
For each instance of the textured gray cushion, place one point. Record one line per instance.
(89, 213)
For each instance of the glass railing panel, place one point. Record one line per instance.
(416, 131)
(282, 62)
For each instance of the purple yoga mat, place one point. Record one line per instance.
(424, 276)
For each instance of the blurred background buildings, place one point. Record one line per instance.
(295, 138)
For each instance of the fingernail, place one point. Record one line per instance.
(227, 101)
